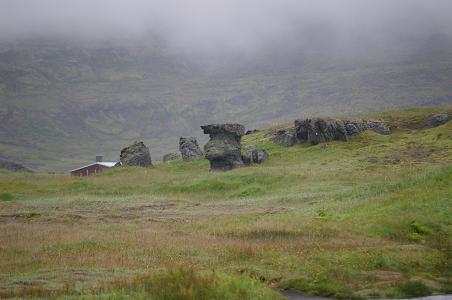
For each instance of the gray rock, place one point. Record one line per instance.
(378, 127)
(170, 156)
(251, 131)
(13, 166)
(136, 154)
(320, 130)
(285, 137)
(189, 148)
(256, 156)
(355, 127)
(270, 134)
(438, 120)
(223, 150)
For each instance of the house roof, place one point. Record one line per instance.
(105, 164)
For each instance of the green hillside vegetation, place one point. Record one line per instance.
(61, 104)
(366, 218)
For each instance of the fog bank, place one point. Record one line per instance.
(241, 26)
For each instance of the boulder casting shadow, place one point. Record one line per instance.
(223, 150)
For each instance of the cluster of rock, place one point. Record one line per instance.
(320, 130)
(136, 154)
(224, 152)
(189, 148)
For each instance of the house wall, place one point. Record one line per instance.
(94, 169)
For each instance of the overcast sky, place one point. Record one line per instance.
(233, 24)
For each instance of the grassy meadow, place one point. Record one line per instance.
(371, 217)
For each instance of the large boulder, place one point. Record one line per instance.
(320, 130)
(13, 166)
(170, 156)
(285, 137)
(136, 154)
(223, 150)
(438, 120)
(189, 148)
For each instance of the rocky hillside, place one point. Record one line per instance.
(62, 103)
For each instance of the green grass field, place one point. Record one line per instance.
(368, 218)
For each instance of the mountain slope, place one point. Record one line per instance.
(60, 104)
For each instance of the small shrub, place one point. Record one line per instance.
(6, 197)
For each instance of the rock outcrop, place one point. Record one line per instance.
(136, 154)
(170, 157)
(378, 127)
(223, 150)
(255, 156)
(320, 130)
(285, 137)
(355, 127)
(251, 131)
(13, 166)
(189, 148)
(438, 120)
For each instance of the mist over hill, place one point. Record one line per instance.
(79, 83)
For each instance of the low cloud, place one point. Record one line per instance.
(230, 25)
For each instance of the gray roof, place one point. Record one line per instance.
(105, 164)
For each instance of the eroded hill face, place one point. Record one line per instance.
(62, 103)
